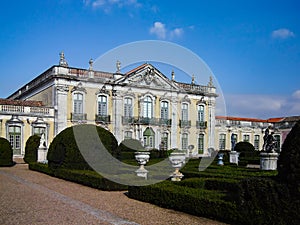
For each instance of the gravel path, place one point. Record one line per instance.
(28, 197)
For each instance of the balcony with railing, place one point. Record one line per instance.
(146, 121)
(102, 119)
(184, 123)
(78, 117)
(201, 124)
(26, 110)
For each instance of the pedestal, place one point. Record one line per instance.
(42, 155)
(234, 157)
(142, 172)
(177, 160)
(268, 161)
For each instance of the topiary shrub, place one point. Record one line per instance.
(127, 148)
(31, 148)
(247, 153)
(64, 153)
(6, 153)
(288, 162)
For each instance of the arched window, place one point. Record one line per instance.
(147, 107)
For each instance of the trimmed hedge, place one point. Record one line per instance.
(85, 177)
(289, 158)
(31, 148)
(6, 153)
(64, 153)
(194, 201)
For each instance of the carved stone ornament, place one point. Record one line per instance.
(62, 88)
(79, 88)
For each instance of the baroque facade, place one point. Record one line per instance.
(143, 104)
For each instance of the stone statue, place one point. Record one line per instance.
(265, 138)
(42, 141)
(233, 141)
(118, 66)
(270, 143)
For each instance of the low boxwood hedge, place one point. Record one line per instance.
(85, 177)
(6, 153)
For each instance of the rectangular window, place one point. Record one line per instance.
(147, 107)
(246, 137)
(256, 142)
(222, 141)
(200, 113)
(128, 135)
(78, 103)
(184, 112)
(184, 142)
(164, 110)
(102, 105)
(201, 143)
(164, 141)
(128, 107)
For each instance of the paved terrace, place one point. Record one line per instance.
(28, 197)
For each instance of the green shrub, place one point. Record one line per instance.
(288, 162)
(248, 155)
(31, 148)
(64, 153)
(6, 153)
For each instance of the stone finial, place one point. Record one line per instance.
(118, 66)
(91, 64)
(173, 75)
(210, 83)
(62, 60)
(193, 79)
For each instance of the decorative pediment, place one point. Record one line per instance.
(79, 88)
(148, 76)
(103, 90)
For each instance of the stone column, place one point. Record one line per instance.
(117, 116)
(211, 124)
(174, 124)
(61, 108)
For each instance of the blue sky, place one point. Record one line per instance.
(252, 47)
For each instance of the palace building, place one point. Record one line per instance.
(142, 103)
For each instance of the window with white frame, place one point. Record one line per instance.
(246, 137)
(147, 107)
(102, 105)
(78, 103)
(164, 110)
(184, 141)
(14, 137)
(184, 112)
(128, 135)
(164, 141)
(128, 107)
(200, 143)
(256, 142)
(222, 141)
(200, 113)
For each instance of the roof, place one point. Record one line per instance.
(21, 102)
(240, 119)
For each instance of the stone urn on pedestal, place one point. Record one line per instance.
(177, 160)
(220, 159)
(142, 157)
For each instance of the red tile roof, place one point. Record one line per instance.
(240, 119)
(21, 102)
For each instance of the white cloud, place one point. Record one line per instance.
(177, 32)
(107, 5)
(160, 30)
(296, 94)
(263, 106)
(282, 33)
